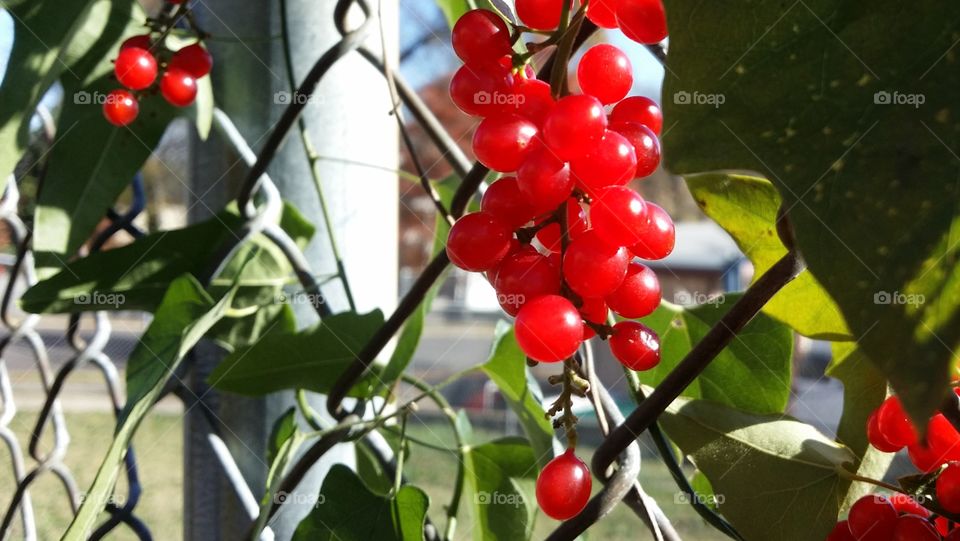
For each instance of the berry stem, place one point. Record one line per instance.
(850, 476)
(568, 34)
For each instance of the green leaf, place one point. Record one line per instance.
(501, 476)
(184, 316)
(769, 467)
(233, 332)
(753, 373)
(370, 471)
(746, 207)
(349, 511)
(135, 276)
(284, 442)
(312, 359)
(507, 369)
(864, 389)
(453, 9)
(817, 98)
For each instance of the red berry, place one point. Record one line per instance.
(478, 90)
(193, 59)
(140, 42)
(593, 268)
(954, 534)
(549, 328)
(925, 459)
(480, 36)
(638, 295)
(646, 146)
(948, 488)
(120, 108)
(610, 161)
(871, 513)
(532, 98)
(877, 437)
(894, 424)
(639, 109)
(643, 21)
(943, 526)
(502, 142)
(540, 14)
(914, 528)
(605, 73)
(907, 505)
(619, 215)
(135, 68)
(549, 236)
(841, 532)
(943, 439)
(478, 242)
(660, 236)
(523, 276)
(574, 124)
(635, 345)
(595, 311)
(603, 12)
(178, 87)
(544, 180)
(563, 487)
(504, 201)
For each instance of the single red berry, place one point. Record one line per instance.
(193, 59)
(531, 98)
(646, 146)
(549, 328)
(871, 513)
(660, 235)
(574, 124)
(504, 201)
(595, 311)
(480, 89)
(942, 524)
(619, 215)
(841, 532)
(948, 488)
(544, 180)
(478, 242)
(549, 236)
(502, 142)
(594, 268)
(639, 109)
(135, 68)
(540, 14)
(178, 87)
(925, 459)
(638, 295)
(120, 107)
(603, 13)
(140, 42)
(523, 276)
(914, 528)
(480, 36)
(611, 161)
(643, 21)
(563, 487)
(943, 439)
(635, 345)
(908, 505)
(491, 275)
(605, 73)
(894, 423)
(877, 437)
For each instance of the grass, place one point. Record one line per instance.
(159, 446)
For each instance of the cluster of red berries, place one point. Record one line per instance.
(897, 518)
(557, 235)
(137, 67)
(643, 21)
(890, 430)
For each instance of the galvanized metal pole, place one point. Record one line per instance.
(348, 120)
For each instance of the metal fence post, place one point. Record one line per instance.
(348, 119)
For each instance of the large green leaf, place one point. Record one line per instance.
(312, 359)
(752, 373)
(746, 207)
(134, 277)
(348, 511)
(775, 478)
(864, 389)
(181, 320)
(850, 109)
(507, 369)
(500, 486)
